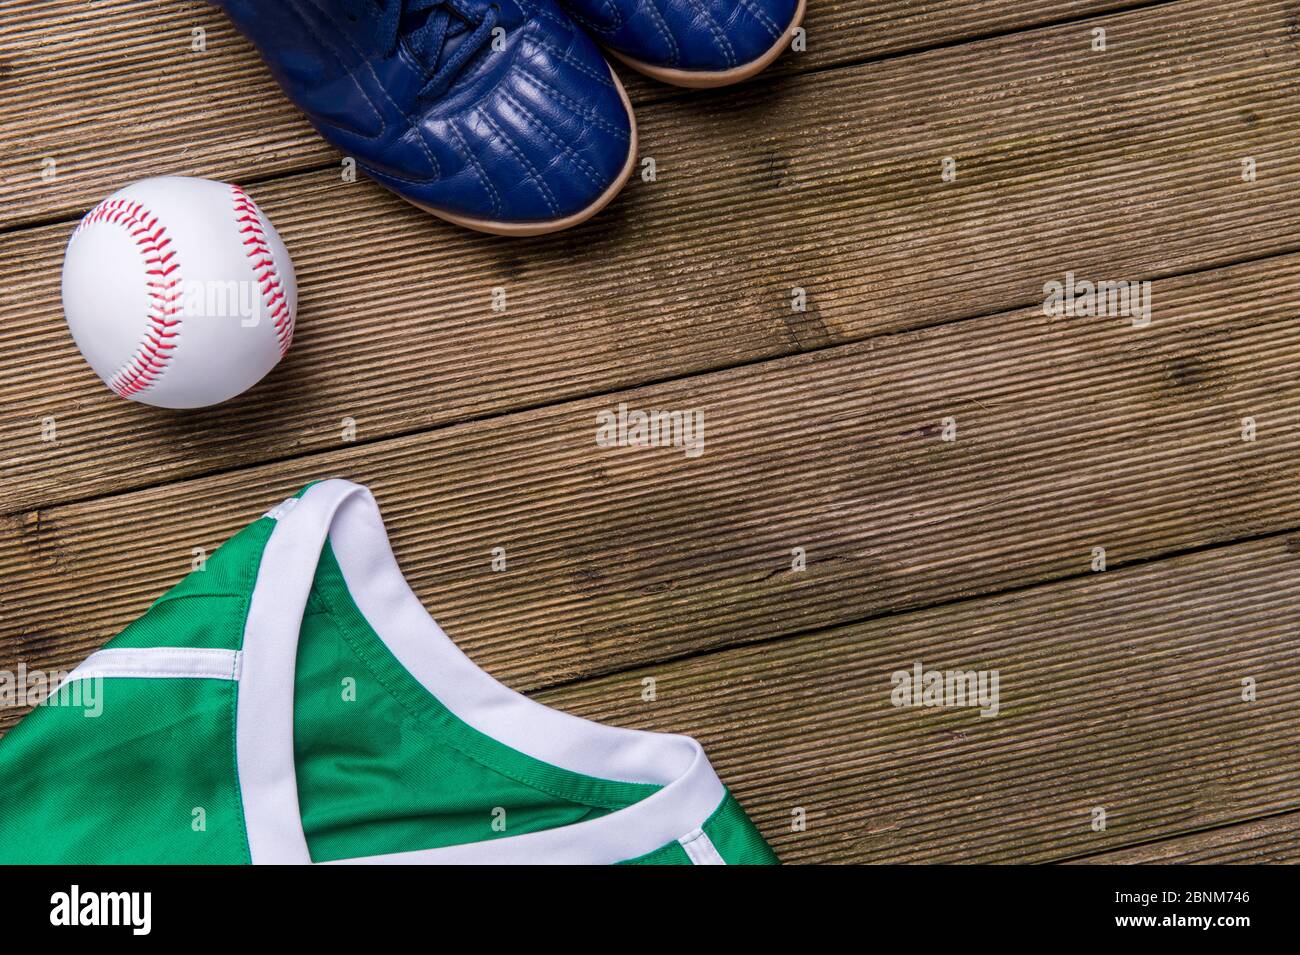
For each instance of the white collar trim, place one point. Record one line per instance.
(348, 515)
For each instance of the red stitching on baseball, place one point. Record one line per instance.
(258, 250)
(150, 360)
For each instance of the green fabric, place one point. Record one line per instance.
(208, 608)
(393, 769)
(735, 837)
(382, 765)
(123, 787)
(671, 854)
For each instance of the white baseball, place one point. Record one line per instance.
(179, 292)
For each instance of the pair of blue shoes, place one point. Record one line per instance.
(501, 116)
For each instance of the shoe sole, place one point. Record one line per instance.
(495, 227)
(706, 79)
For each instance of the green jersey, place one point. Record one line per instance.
(293, 702)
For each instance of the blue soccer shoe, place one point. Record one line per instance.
(501, 116)
(696, 43)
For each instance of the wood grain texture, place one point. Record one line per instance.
(1120, 691)
(1273, 840)
(1072, 434)
(114, 91)
(828, 182)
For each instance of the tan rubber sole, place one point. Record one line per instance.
(703, 79)
(554, 225)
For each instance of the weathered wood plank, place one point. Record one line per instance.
(836, 179)
(1120, 691)
(1274, 840)
(114, 91)
(1072, 434)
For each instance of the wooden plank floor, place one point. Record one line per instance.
(1121, 690)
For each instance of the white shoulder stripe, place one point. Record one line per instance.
(160, 663)
(701, 848)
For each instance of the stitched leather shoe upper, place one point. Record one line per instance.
(704, 35)
(501, 111)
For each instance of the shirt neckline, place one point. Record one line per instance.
(347, 516)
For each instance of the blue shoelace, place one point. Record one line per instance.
(444, 19)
